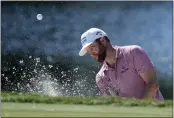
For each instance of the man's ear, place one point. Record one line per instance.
(103, 41)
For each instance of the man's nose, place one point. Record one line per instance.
(93, 54)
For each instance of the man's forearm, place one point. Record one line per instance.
(151, 90)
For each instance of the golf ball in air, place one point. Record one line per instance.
(39, 16)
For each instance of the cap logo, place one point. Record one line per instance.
(83, 40)
(100, 33)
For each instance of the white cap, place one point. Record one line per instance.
(89, 37)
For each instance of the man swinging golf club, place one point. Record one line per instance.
(126, 70)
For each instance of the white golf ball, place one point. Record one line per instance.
(39, 16)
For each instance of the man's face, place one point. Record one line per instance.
(97, 50)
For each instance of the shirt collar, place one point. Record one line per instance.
(118, 55)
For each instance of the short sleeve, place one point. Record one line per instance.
(101, 85)
(141, 61)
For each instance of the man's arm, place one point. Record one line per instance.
(146, 70)
(152, 84)
(101, 86)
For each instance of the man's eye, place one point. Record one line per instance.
(92, 46)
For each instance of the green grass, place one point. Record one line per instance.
(117, 101)
(67, 110)
(35, 105)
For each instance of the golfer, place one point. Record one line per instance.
(126, 71)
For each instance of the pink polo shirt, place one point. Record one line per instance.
(125, 80)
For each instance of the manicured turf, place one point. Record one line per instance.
(10, 109)
(85, 100)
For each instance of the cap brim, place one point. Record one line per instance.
(83, 51)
